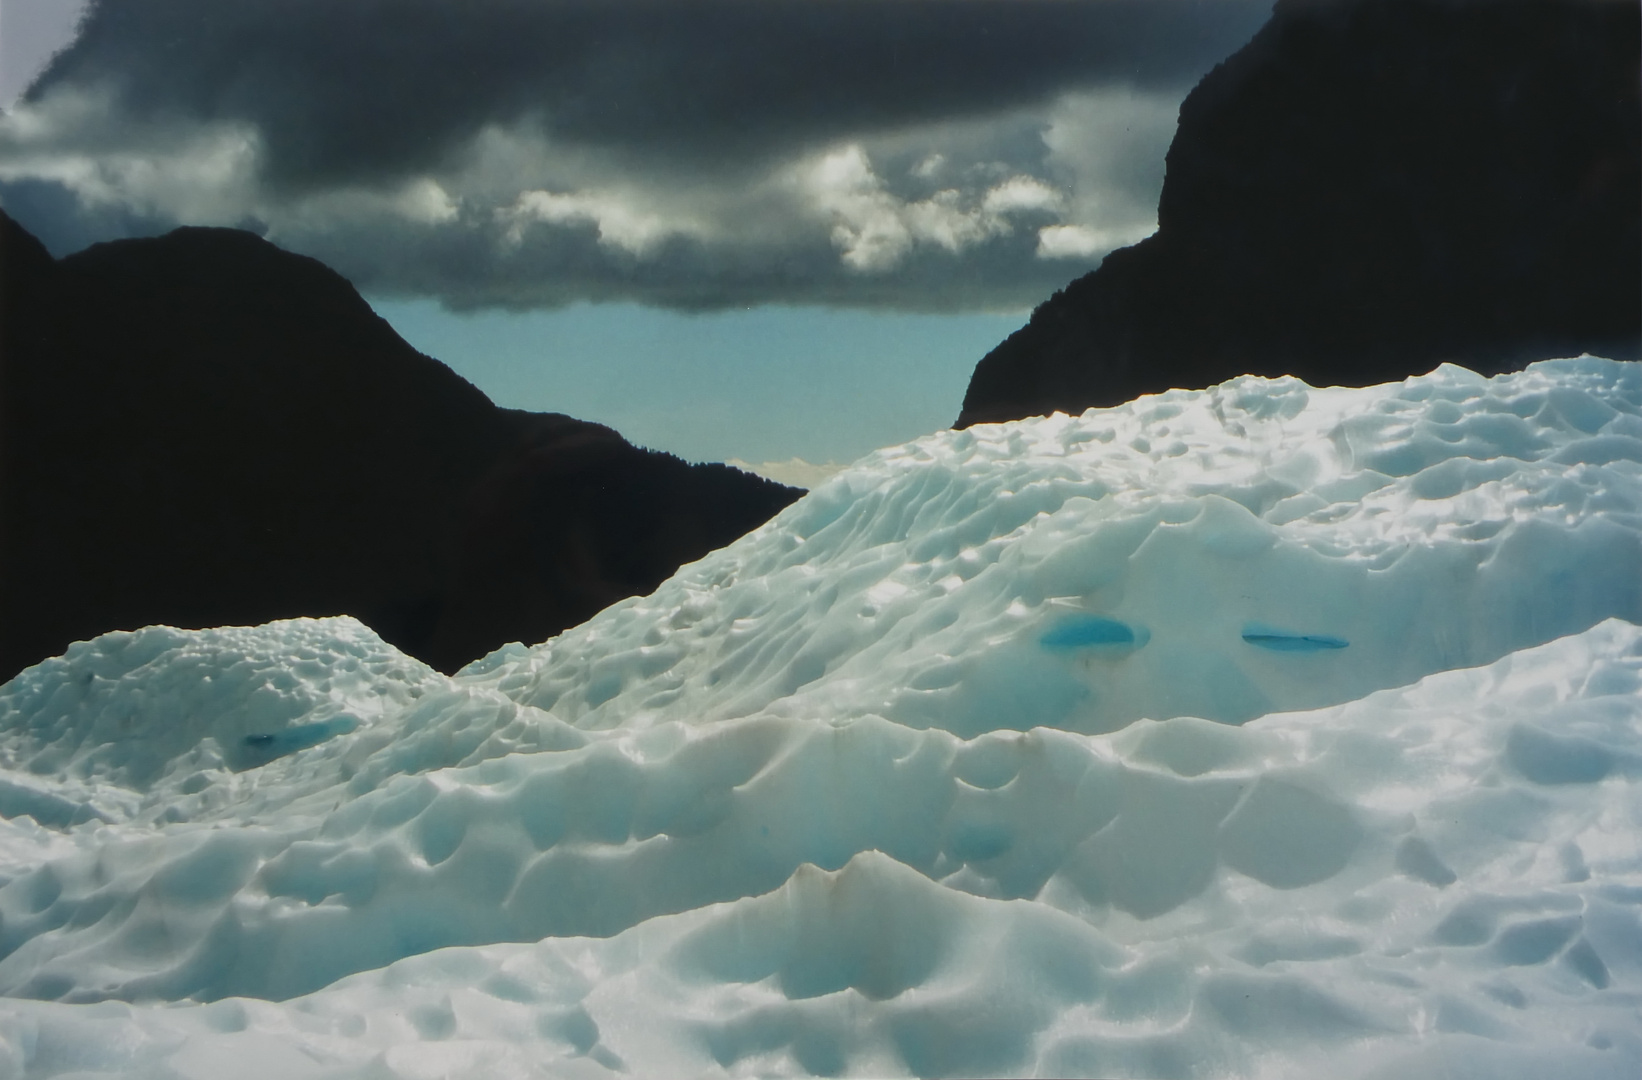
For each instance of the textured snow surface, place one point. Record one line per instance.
(1257, 731)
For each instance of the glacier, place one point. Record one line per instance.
(1264, 730)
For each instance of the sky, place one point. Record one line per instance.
(791, 227)
(765, 384)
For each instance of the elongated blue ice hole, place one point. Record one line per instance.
(273, 744)
(1095, 632)
(1270, 637)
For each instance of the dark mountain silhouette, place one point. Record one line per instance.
(1367, 189)
(202, 430)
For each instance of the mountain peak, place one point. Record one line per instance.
(1365, 190)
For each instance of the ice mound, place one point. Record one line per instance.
(939, 773)
(1430, 877)
(165, 725)
(1225, 553)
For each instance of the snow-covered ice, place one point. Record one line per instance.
(1258, 731)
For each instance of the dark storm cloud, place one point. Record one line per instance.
(621, 133)
(351, 89)
(467, 272)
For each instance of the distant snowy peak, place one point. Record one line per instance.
(1258, 546)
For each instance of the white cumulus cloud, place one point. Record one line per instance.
(874, 229)
(622, 223)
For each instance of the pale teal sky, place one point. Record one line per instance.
(764, 384)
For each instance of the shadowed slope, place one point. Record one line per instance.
(202, 429)
(1365, 190)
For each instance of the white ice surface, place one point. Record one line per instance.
(937, 773)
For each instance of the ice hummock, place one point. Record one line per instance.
(1262, 730)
